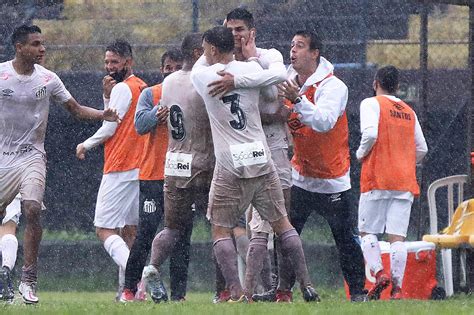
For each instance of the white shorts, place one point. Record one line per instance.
(390, 215)
(117, 200)
(257, 224)
(13, 211)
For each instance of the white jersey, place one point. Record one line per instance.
(24, 109)
(274, 72)
(240, 145)
(190, 140)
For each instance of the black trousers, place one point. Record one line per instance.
(337, 211)
(151, 213)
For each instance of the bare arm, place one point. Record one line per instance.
(89, 113)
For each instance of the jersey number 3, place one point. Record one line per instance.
(176, 120)
(241, 121)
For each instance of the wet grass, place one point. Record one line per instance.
(199, 303)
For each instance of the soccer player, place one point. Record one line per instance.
(273, 117)
(392, 143)
(150, 120)
(116, 213)
(321, 162)
(188, 167)
(26, 89)
(244, 173)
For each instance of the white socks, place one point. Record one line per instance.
(398, 261)
(117, 249)
(371, 251)
(9, 248)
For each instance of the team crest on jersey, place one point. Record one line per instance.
(40, 93)
(4, 76)
(7, 92)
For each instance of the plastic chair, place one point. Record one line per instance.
(445, 241)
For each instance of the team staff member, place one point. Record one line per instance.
(321, 164)
(116, 213)
(26, 91)
(392, 143)
(150, 121)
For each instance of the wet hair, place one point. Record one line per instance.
(20, 34)
(190, 42)
(221, 37)
(120, 47)
(241, 14)
(314, 39)
(173, 54)
(388, 77)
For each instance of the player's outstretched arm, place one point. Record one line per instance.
(89, 113)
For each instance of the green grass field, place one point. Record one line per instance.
(200, 303)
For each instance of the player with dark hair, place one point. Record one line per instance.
(150, 121)
(321, 161)
(273, 117)
(244, 173)
(27, 89)
(116, 214)
(391, 145)
(188, 166)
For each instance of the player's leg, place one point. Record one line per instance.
(301, 207)
(179, 264)
(336, 210)
(8, 248)
(270, 204)
(178, 220)
(32, 191)
(398, 217)
(372, 218)
(150, 214)
(227, 204)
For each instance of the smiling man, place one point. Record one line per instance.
(321, 162)
(116, 213)
(26, 89)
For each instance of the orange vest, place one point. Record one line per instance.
(391, 164)
(152, 165)
(316, 154)
(122, 151)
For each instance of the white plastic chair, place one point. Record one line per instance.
(446, 255)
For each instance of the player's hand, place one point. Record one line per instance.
(249, 48)
(222, 86)
(107, 84)
(81, 151)
(289, 90)
(162, 114)
(111, 114)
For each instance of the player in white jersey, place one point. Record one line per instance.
(26, 89)
(273, 117)
(189, 163)
(244, 173)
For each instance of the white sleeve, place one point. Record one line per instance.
(59, 92)
(120, 99)
(369, 126)
(274, 71)
(420, 142)
(331, 100)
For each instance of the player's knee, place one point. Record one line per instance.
(281, 225)
(32, 210)
(219, 232)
